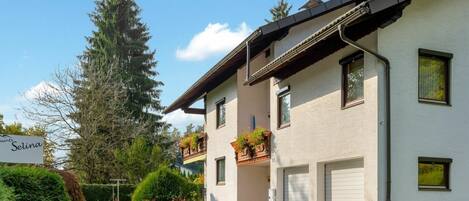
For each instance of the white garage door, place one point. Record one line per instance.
(345, 181)
(296, 185)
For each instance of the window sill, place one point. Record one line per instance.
(353, 104)
(434, 102)
(283, 126)
(435, 189)
(221, 126)
(220, 183)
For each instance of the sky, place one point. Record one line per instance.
(40, 37)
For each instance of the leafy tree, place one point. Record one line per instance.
(281, 10)
(140, 158)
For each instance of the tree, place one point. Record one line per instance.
(140, 158)
(120, 39)
(110, 100)
(281, 10)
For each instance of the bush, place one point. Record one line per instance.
(72, 185)
(165, 185)
(6, 193)
(103, 192)
(33, 183)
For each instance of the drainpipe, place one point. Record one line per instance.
(387, 102)
(248, 58)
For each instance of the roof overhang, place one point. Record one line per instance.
(361, 20)
(258, 41)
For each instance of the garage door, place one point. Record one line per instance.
(345, 181)
(296, 185)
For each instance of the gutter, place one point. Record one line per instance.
(331, 28)
(387, 103)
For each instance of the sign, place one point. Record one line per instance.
(21, 149)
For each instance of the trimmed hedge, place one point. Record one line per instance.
(6, 193)
(34, 183)
(103, 192)
(166, 185)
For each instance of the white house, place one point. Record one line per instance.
(361, 101)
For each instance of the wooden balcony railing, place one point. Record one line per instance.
(253, 153)
(193, 147)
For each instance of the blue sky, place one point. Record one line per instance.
(39, 37)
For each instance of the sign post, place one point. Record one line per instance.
(118, 184)
(21, 149)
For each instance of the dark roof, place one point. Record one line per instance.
(369, 17)
(259, 40)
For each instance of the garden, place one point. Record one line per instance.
(26, 183)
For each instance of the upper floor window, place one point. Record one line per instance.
(220, 162)
(221, 113)
(353, 71)
(433, 79)
(284, 105)
(433, 173)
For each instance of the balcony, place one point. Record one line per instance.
(253, 148)
(194, 147)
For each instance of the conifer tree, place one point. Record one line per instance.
(121, 39)
(281, 10)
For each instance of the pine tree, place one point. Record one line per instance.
(117, 98)
(122, 38)
(281, 10)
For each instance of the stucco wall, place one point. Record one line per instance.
(321, 131)
(253, 183)
(219, 142)
(425, 129)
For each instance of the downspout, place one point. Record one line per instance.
(248, 58)
(387, 66)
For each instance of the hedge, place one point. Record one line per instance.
(166, 185)
(34, 183)
(6, 193)
(103, 192)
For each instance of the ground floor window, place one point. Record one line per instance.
(220, 170)
(434, 173)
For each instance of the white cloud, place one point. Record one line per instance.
(214, 39)
(180, 120)
(42, 88)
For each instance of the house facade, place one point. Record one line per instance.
(357, 100)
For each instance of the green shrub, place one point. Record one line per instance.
(103, 192)
(6, 193)
(33, 183)
(165, 185)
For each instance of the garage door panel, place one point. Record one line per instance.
(344, 181)
(296, 184)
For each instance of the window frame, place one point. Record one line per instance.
(218, 181)
(344, 63)
(447, 173)
(218, 104)
(448, 58)
(281, 93)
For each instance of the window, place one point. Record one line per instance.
(284, 105)
(434, 173)
(433, 80)
(221, 113)
(220, 170)
(352, 79)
